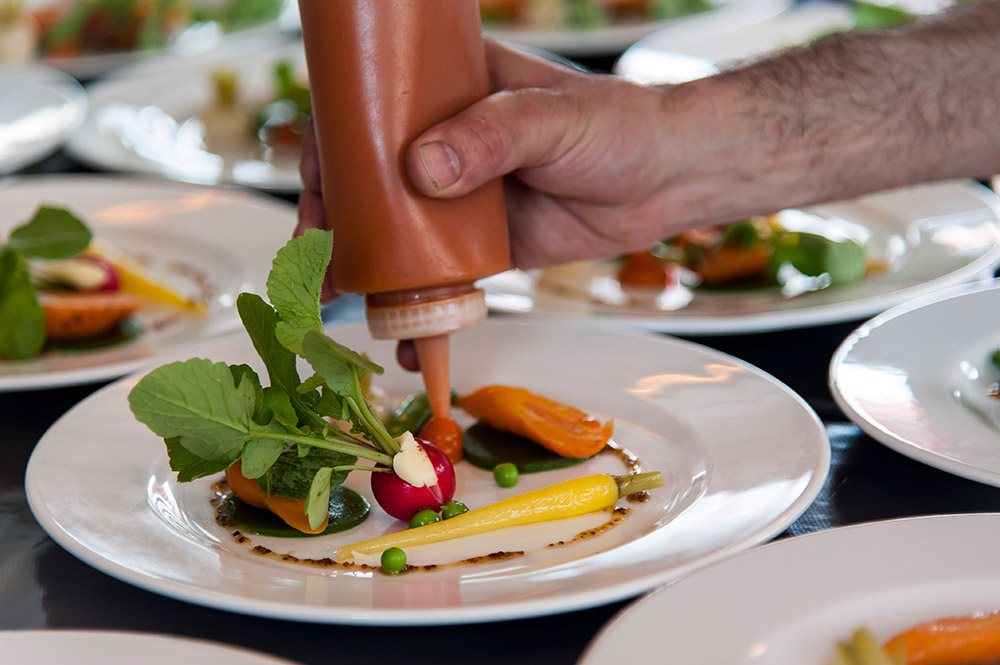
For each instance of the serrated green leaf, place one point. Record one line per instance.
(53, 233)
(318, 501)
(22, 321)
(258, 456)
(197, 402)
(280, 405)
(260, 320)
(188, 465)
(337, 364)
(294, 284)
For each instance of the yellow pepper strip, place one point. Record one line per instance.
(137, 279)
(571, 498)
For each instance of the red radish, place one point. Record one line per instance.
(111, 281)
(403, 500)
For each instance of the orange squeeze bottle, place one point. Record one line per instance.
(380, 73)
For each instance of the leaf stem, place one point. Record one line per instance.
(374, 422)
(359, 467)
(336, 446)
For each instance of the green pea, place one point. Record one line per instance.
(393, 560)
(453, 508)
(424, 517)
(505, 474)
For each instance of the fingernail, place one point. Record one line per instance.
(441, 163)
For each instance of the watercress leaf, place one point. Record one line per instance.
(318, 501)
(53, 233)
(260, 320)
(337, 364)
(331, 405)
(244, 372)
(294, 283)
(22, 331)
(198, 401)
(258, 456)
(280, 404)
(312, 383)
(291, 476)
(188, 465)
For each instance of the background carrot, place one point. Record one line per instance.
(971, 640)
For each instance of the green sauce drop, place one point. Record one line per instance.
(485, 447)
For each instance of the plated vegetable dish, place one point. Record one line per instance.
(72, 28)
(288, 447)
(62, 289)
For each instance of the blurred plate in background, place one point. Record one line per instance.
(149, 118)
(918, 240)
(617, 35)
(39, 108)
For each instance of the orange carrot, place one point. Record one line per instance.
(82, 315)
(292, 511)
(643, 270)
(564, 430)
(969, 640)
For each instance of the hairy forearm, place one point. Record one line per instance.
(849, 115)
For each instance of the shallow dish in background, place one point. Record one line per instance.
(96, 647)
(195, 39)
(39, 109)
(742, 457)
(789, 602)
(925, 238)
(618, 36)
(209, 243)
(144, 120)
(653, 59)
(917, 379)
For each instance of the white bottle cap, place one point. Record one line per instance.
(424, 319)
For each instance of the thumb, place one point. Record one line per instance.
(504, 132)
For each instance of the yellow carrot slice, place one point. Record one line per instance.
(570, 498)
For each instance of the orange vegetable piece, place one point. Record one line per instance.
(292, 511)
(970, 640)
(82, 315)
(563, 429)
(446, 435)
(644, 271)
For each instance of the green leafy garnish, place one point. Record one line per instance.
(210, 414)
(52, 233)
(872, 16)
(845, 261)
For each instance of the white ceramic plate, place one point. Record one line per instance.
(927, 237)
(195, 40)
(38, 110)
(654, 58)
(789, 602)
(917, 378)
(145, 120)
(616, 37)
(92, 647)
(207, 243)
(741, 454)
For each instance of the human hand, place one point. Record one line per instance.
(588, 158)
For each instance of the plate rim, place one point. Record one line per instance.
(751, 558)
(820, 456)
(872, 427)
